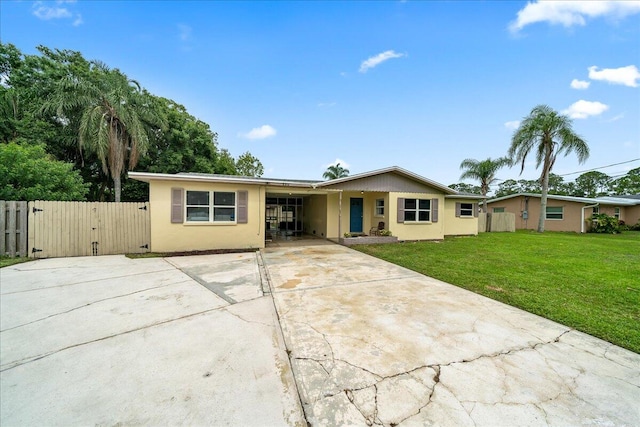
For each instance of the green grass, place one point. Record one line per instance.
(589, 282)
(6, 261)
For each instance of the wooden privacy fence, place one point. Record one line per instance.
(62, 229)
(496, 222)
(13, 226)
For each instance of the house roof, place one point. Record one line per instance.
(325, 185)
(607, 200)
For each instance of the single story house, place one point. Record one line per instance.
(192, 211)
(565, 213)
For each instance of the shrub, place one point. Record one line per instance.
(603, 223)
(385, 232)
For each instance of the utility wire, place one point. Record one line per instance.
(601, 167)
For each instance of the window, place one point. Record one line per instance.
(466, 209)
(417, 210)
(595, 211)
(498, 210)
(554, 212)
(200, 207)
(616, 213)
(379, 207)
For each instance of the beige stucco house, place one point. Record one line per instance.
(192, 211)
(565, 213)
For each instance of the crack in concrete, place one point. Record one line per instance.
(360, 282)
(227, 308)
(91, 303)
(31, 359)
(204, 283)
(437, 368)
(88, 281)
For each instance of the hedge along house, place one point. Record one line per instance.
(565, 213)
(202, 211)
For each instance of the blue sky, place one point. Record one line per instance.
(421, 85)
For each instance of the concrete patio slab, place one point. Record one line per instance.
(375, 344)
(114, 341)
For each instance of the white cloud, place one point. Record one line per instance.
(583, 109)
(374, 61)
(264, 131)
(622, 76)
(336, 161)
(45, 12)
(616, 118)
(580, 84)
(512, 125)
(184, 32)
(572, 12)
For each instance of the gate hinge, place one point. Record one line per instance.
(37, 210)
(34, 250)
(144, 208)
(145, 246)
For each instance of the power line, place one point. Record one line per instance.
(601, 167)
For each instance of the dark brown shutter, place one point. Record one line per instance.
(243, 207)
(177, 205)
(434, 210)
(475, 210)
(458, 208)
(400, 209)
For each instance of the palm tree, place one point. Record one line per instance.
(483, 171)
(548, 133)
(335, 171)
(116, 117)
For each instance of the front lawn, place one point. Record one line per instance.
(589, 282)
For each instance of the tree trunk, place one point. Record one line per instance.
(543, 199)
(117, 187)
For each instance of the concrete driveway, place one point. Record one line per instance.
(372, 343)
(114, 341)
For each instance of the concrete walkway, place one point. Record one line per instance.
(375, 344)
(114, 341)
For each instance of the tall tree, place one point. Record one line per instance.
(248, 165)
(463, 187)
(117, 118)
(28, 172)
(593, 184)
(484, 171)
(628, 184)
(335, 171)
(547, 133)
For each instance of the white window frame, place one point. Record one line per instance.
(379, 208)
(417, 210)
(211, 206)
(561, 213)
(466, 212)
(616, 212)
(595, 211)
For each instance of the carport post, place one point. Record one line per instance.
(340, 215)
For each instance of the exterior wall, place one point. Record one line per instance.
(572, 213)
(168, 237)
(333, 230)
(417, 231)
(458, 226)
(370, 219)
(630, 214)
(315, 215)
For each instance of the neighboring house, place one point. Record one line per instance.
(565, 213)
(192, 211)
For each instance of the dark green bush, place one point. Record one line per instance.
(603, 223)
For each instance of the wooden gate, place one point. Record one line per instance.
(63, 229)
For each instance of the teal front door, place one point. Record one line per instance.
(355, 216)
